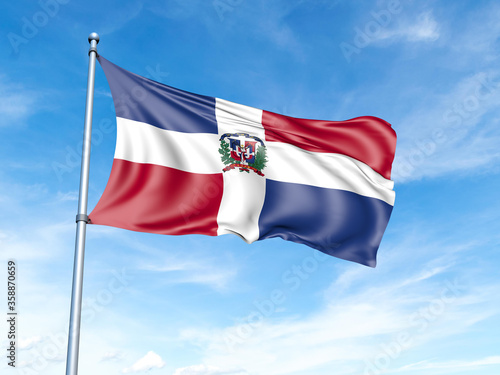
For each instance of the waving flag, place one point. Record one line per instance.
(192, 164)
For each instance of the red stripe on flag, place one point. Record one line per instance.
(367, 139)
(157, 199)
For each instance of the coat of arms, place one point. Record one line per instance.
(244, 152)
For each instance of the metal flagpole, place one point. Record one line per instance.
(81, 220)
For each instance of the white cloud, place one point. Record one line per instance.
(150, 361)
(29, 342)
(341, 333)
(68, 196)
(477, 35)
(190, 272)
(465, 118)
(16, 103)
(423, 29)
(360, 313)
(451, 366)
(121, 16)
(25, 242)
(452, 127)
(426, 29)
(112, 355)
(102, 92)
(189, 267)
(207, 370)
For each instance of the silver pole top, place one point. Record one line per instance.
(93, 40)
(94, 36)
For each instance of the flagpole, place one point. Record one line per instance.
(81, 220)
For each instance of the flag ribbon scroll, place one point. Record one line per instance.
(192, 164)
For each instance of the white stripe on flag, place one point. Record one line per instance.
(244, 193)
(139, 142)
(288, 163)
(198, 153)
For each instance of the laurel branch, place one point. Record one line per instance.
(257, 166)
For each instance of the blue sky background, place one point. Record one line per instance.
(197, 305)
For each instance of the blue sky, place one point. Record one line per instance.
(197, 305)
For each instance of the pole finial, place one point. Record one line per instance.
(94, 36)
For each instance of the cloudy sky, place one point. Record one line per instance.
(197, 305)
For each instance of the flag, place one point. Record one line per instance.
(192, 164)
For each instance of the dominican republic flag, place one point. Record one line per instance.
(192, 164)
